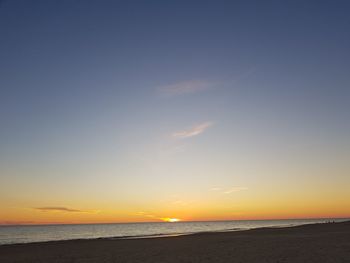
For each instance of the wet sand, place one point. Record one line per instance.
(309, 243)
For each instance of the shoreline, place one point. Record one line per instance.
(164, 235)
(152, 236)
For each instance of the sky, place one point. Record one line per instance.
(135, 111)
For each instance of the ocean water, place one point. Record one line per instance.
(39, 233)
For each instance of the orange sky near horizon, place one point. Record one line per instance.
(216, 206)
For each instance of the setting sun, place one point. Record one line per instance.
(170, 220)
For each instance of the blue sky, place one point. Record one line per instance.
(190, 93)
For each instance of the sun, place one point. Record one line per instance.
(170, 220)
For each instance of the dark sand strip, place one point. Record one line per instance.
(321, 243)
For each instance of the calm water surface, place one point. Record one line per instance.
(27, 234)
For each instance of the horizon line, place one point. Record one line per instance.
(181, 221)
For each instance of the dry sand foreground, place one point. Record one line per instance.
(319, 243)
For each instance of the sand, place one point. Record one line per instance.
(319, 243)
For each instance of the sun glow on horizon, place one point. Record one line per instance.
(170, 220)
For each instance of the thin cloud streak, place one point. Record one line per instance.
(228, 190)
(59, 209)
(145, 214)
(194, 131)
(182, 203)
(185, 87)
(235, 189)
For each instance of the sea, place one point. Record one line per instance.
(40, 233)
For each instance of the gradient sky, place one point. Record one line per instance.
(120, 111)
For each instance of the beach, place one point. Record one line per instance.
(327, 242)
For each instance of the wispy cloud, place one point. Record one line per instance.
(235, 189)
(146, 214)
(182, 202)
(193, 131)
(228, 190)
(59, 209)
(185, 87)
